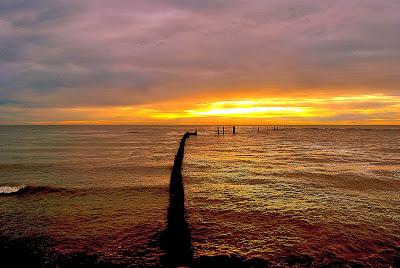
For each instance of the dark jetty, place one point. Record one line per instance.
(178, 244)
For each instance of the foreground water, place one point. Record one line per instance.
(311, 195)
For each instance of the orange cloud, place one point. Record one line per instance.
(361, 109)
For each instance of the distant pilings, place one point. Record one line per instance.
(178, 244)
(234, 129)
(223, 130)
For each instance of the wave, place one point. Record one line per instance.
(21, 190)
(10, 189)
(26, 189)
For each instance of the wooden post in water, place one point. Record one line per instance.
(234, 130)
(258, 129)
(223, 130)
(218, 130)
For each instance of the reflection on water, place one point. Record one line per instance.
(328, 194)
(308, 195)
(106, 188)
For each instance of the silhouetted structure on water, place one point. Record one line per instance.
(178, 244)
(274, 127)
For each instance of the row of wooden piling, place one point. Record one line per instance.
(234, 129)
(223, 130)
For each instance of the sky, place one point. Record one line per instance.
(199, 62)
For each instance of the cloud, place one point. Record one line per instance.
(60, 54)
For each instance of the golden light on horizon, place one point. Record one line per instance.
(245, 111)
(286, 107)
(369, 109)
(247, 108)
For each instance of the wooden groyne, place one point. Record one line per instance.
(267, 127)
(178, 244)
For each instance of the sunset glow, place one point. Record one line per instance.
(363, 109)
(174, 62)
(199, 133)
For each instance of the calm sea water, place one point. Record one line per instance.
(326, 194)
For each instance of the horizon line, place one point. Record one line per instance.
(255, 125)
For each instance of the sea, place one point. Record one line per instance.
(301, 196)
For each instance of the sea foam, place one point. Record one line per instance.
(10, 189)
